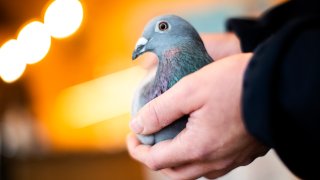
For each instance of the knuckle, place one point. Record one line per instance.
(222, 165)
(134, 154)
(152, 164)
(246, 162)
(174, 175)
(211, 176)
(153, 110)
(131, 152)
(180, 177)
(183, 177)
(199, 154)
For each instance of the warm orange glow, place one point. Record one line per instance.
(11, 64)
(83, 91)
(34, 41)
(63, 17)
(100, 99)
(79, 93)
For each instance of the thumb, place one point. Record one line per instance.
(165, 109)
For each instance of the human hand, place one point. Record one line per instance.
(215, 140)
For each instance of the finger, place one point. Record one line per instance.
(198, 169)
(216, 174)
(190, 171)
(166, 108)
(136, 149)
(170, 153)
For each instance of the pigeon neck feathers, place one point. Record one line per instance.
(179, 61)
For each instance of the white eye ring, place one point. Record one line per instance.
(162, 26)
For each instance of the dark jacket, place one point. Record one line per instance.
(281, 88)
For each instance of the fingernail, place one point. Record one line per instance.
(136, 126)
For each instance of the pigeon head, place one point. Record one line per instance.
(164, 33)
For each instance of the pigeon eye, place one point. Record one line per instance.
(163, 26)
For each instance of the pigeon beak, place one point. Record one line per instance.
(140, 48)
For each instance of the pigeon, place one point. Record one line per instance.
(180, 51)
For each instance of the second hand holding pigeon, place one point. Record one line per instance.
(215, 140)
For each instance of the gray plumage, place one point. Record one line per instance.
(180, 52)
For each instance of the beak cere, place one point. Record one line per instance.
(140, 47)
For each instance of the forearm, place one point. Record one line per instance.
(281, 100)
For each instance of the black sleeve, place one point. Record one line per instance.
(253, 31)
(281, 97)
(281, 89)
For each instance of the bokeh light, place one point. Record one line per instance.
(63, 17)
(34, 41)
(11, 64)
(108, 98)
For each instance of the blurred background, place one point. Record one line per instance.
(67, 81)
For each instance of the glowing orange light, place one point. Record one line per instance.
(63, 17)
(34, 41)
(100, 99)
(11, 64)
